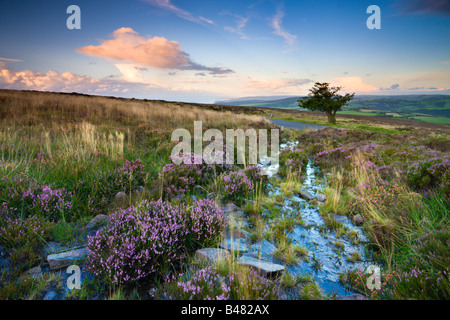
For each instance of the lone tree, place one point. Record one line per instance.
(324, 98)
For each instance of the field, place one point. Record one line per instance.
(91, 178)
(427, 108)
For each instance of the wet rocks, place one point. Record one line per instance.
(358, 220)
(263, 267)
(305, 194)
(234, 244)
(351, 297)
(212, 254)
(35, 272)
(64, 259)
(51, 295)
(263, 247)
(321, 197)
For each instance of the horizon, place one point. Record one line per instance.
(206, 51)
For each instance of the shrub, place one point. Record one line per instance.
(293, 160)
(235, 185)
(430, 173)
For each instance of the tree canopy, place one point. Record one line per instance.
(324, 98)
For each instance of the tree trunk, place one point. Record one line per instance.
(331, 117)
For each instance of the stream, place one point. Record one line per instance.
(318, 240)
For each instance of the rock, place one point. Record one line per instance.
(358, 220)
(340, 218)
(35, 272)
(65, 259)
(230, 207)
(265, 268)
(236, 234)
(234, 244)
(121, 196)
(305, 194)
(351, 297)
(264, 247)
(321, 197)
(212, 254)
(178, 198)
(96, 221)
(53, 247)
(52, 295)
(140, 189)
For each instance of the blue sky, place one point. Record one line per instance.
(203, 51)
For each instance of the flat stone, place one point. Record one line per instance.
(321, 197)
(234, 244)
(96, 221)
(265, 268)
(212, 254)
(305, 194)
(236, 234)
(340, 218)
(65, 259)
(264, 247)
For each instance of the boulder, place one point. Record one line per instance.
(263, 267)
(96, 221)
(230, 207)
(65, 259)
(321, 197)
(140, 189)
(35, 272)
(358, 220)
(305, 194)
(234, 244)
(121, 196)
(212, 254)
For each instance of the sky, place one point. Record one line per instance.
(211, 50)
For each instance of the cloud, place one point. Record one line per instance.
(157, 52)
(131, 73)
(432, 7)
(10, 60)
(279, 30)
(55, 81)
(241, 22)
(275, 84)
(393, 87)
(167, 5)
(353, 84)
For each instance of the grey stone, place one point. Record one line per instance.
(52, 295)
(35, 272)
(321, 197)
(234, 244)
(358, 220)
(96, 221)
(61, 260)
(305, 194)
(230, 207)
(340, 218)
(121, 196)
(265, 268)
(140, 188)
(236, 234)
(212, 254)
(264, 247)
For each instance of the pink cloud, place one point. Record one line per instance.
(157, 52)
(353, 84)
(275, 83)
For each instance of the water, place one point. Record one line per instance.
(320, 242)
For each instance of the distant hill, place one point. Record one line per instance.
(429, 108)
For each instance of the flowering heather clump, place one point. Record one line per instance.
(429, 173)
(205, 223)
(138, 241)
(208, 284)
(256, 176)
(15, 232)
(420, 284)
(293, 159)
(182, 178)
(42, 200)
(132, 173)
(235, 185)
